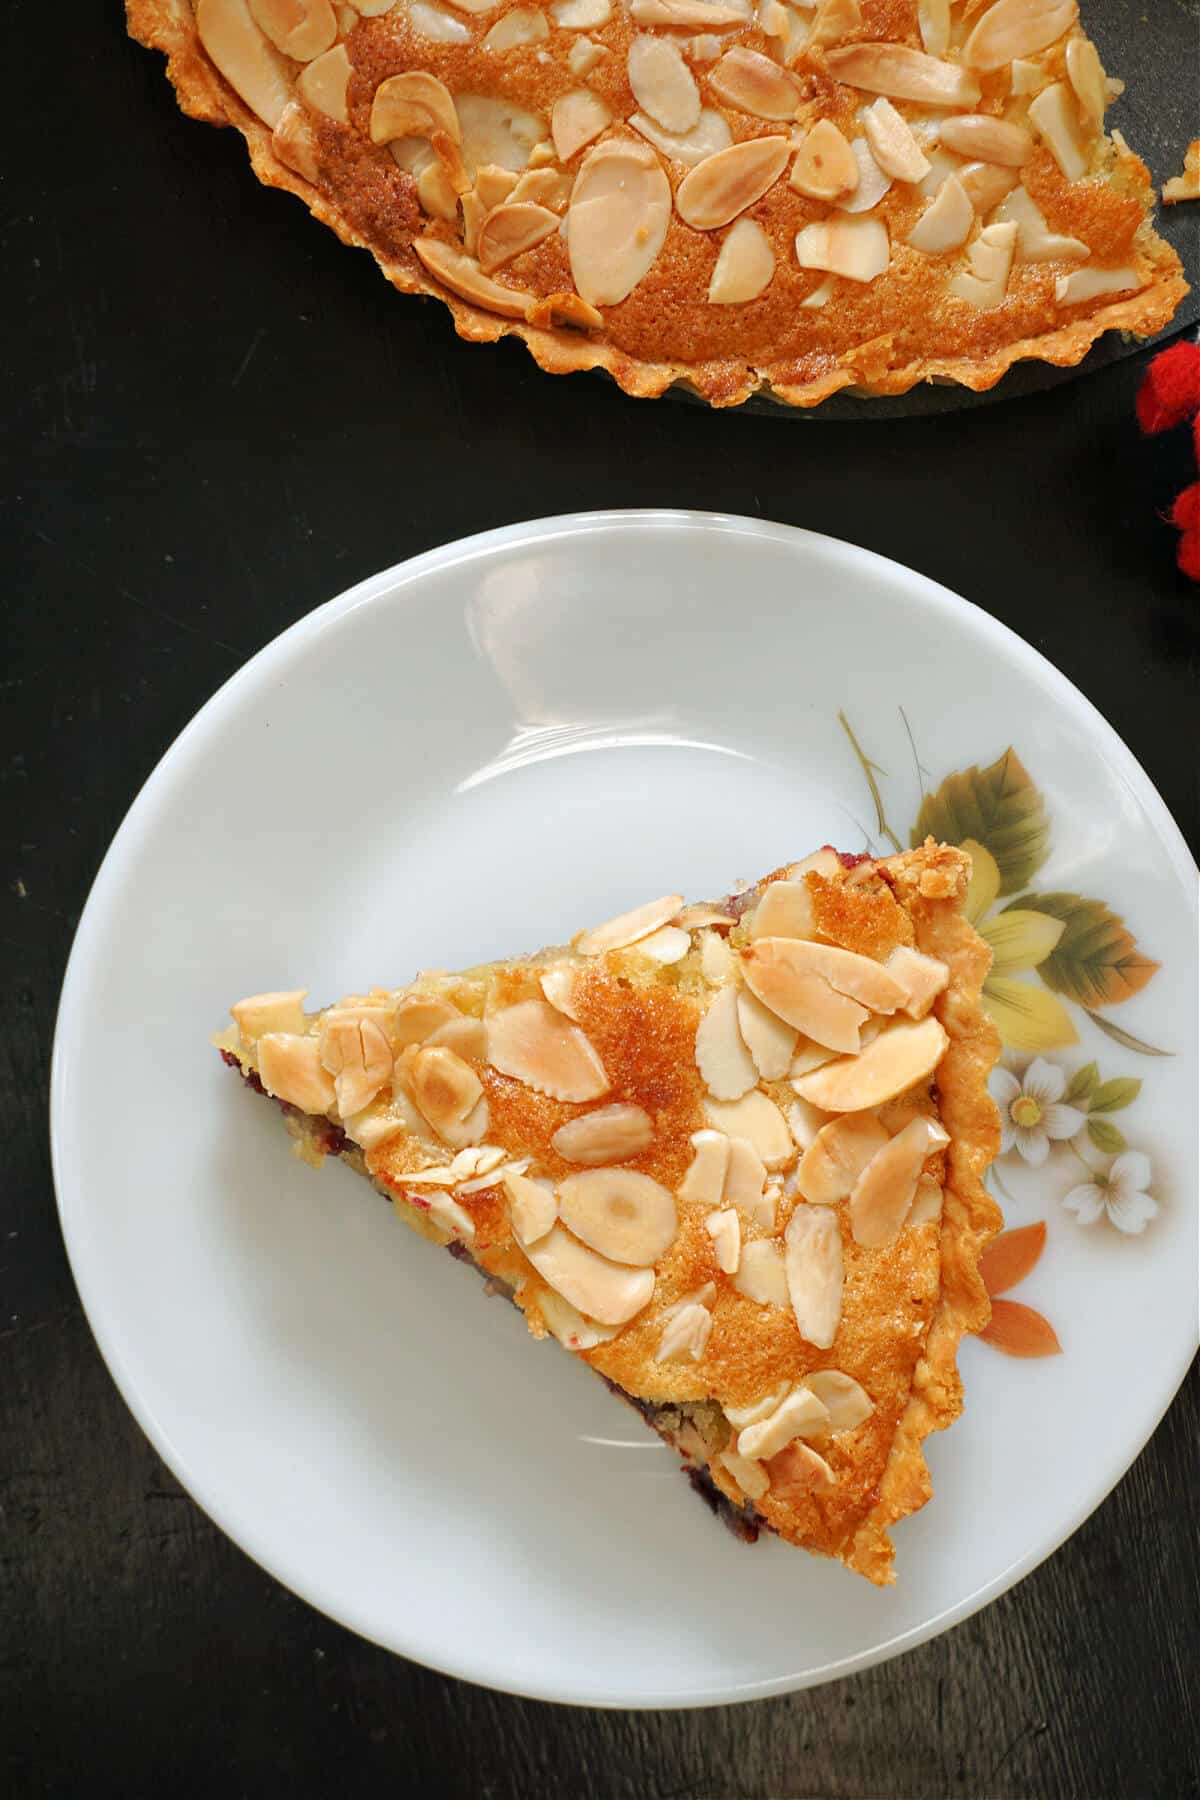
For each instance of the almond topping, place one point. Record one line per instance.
(496, 131)
(802, 1414)
(892, 1063)
(704, 1183)
(464, 277)
(358, 1055)
(608, 1135)
(860, 978)
(716, 958)
(892, 143)
(834, 18)
(535, 1044)
(417, 1016)
(770, 1041)
(294, 142)
(990, 257)
(785, 910)
(798, 993)
(583, 56)
(813, 1242)
(290, 1069)
(720, 187)
(856, 248)
(706, 14)
(804, 1122)
(1086, 74)
(886, 1187)
(701, 1296)
(435, 23)
(760, 1275)
(945, 223)
(751, 1477)
(596, 1287)
(581, 15)
(531, 1206)
(725, 1230)
(578, 117)
(873, 184)
(251, 66)
(628, 927)
(414, 104)
(748, 80)
(302, 29)
(667, 945)
(837, 1156)
(847, 1404)
(985, 184)
(662, 83)
(1054, 116)
(625, 1216)
(523, 25)
(569, 1325)
(322, 85)
(922, 977)
(744, 267)
(825, 167)
(509, 230)
(726, 1066)
(542, 187)
(617, 223)
(991, 140)
(1027, 77)
(759, 1120)
(1017, 28)
(903, 74)
(933, 17)
(1035, 240)
(685, 1335)
(446, 1089)
(926, 1208)
(269, 1012)
(558, 985)
(709, 134)
(1089, 284)
(741, 1416)
(746, 1184)
(798, 1471)
(467, 1037)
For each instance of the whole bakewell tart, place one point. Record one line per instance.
(794, 196)
(729, 1155)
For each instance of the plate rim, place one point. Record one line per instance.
(390, 583)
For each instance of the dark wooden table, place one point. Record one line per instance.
(216, 418)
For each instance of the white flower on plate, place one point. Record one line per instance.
(1122, 1193)
(1032, 1112)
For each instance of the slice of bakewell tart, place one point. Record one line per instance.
(729, 1155)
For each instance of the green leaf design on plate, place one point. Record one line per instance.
(1106, 1137)
(1019, 939)
(1096, 960)
(1026, 1016)
(1126, 1039)
(1082, 1083)
(1114, 1096)
(1000, 808)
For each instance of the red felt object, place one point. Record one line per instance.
(1170, 391)
(1185, 514)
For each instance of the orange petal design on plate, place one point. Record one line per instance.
(1019, 1331)
(1009, 1258)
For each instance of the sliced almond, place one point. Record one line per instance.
(437, 192)
(446, 1089)
(760, 1273)
(704, 47)
(725, 1230)
(1086, 74)
(726, 1066)
(922, 977)
(252, 66)
(903, 74)
(745, 266)
(467, 1037)
(596, 1287)
(531, 1207)
(322, 85)
(509, 230)
(704, 1183)
(855, 248)
(926, 1208)
(847, 1403)
(860, 978)
(837, 1157)
(534, 1043)
(558, 985)
(991, 140)
(751, 1477)
(1056, 121)
(1017, 28)
(301, 29)
(741, 1416)
(707, 15)
(709, 134)
(666, 946)
(986, 184)
(415, 104)
(269, 1012)
(583, 56)
(1090, 284)
(825, 168)
(625, 1216)
(543, 187)
(785, 910)
(1027, 77)
(701, 1296)
(628, 927)
(892, 143)
(568, 1324)
(946, 223)
(716, 958)
(990, 257)
(578, 117)
(758, 1119)
(804, 1122)
(662, 83)
(873, 183)
(802, 1414)
(358, 1055)
(523, 25)
(798, 1471)
(617, 224)
(886, 1187)
(609, 1135)
(1036, 242)
(809, 1057)
(496, 131)
(581, 15)
(813, 1260)
(770, 1041)
(754, 84)
(436, 23)
(290, 1068)
(933, 18)
(685, 1335)
(832, 20)
(797, 993)
(417, 1016)
(895, 1061)
(464, 277)
(720, 187)
(746, 1184)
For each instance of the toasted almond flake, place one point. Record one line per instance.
(628, 927)
(933, 17)
(724, 185)
(294, 142)
(760, 1274)
(802, 1414)
(797, 992)
(770, 1041)
(534, 1043)
(543, 187)
(625, 1216)
(463, 276)
(694, 918)
(903, 74)
(746, 1184)
(417, 1016)
(282, 1012)
(569, 1325)
(437, 192)
(451, 1216)
(708, 135)
(371, 9)
(855, 248)
(832, 21)
(837, 1157)
(578, 118)
(873, 183)
(807, 1058)
(665, 946)
(609, 1135)
(716, 958)
(1187, 185)
(813, 1261)
(374, 1125)
(532, 1208)
(323, 83)
(726, 1066)
(414, 104)
(751, 1477)
(1090, 284)
(825, 167)
(511, 229)
(565, 309)
(941, 164)
(494, 185)
(583, 56)
(445, 1088)
(581, 15)
(617, 223)
(1055, 119)
(893, 145)
(493, 1177)
(478, 1159)
(523, 25)
(798, 1471)
(926, 1208)
(290, 1069)
(922, 977)
(1017, 28)
(435, 1175)
(1027, 77)
(843, 1398)
(685, 1335)
(558, 985)
(435, 23)
(804, 1122)
(821, 295)
(1035, 240)
(709, 15)
(301, 29)
(496, 131)
(895, 1061)
(785, 910)
(724, 1228)
(741, 1416)
(758, 1119)
(704, 1183)
(358, 1055)
(946, 223)
(701, 1296)
(990, 257)
(986, 184)
(989, 139)
(475, 7)
(596, 1287)
(662, 83)
(252, 66)
(824, 862)
(753, 83)
(886, 1187)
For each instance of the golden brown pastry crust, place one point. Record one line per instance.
(880, 339)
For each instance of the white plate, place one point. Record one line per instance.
(473, 754)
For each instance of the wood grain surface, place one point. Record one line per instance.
(216, 417)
